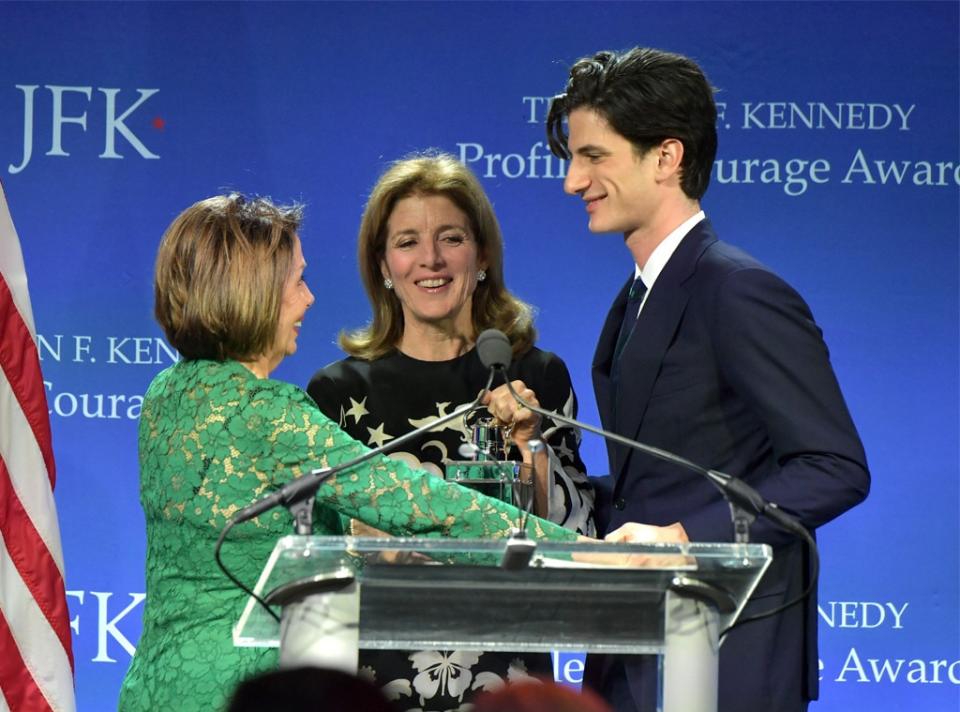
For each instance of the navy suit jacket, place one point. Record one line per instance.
(727, 368)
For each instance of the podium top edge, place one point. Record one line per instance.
(445, 545)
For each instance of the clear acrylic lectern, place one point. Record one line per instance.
(338, 594)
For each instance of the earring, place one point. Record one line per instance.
(388, 283)
(481, 275)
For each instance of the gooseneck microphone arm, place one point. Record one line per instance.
(297, 495)
(304, 487)
(495, 353)
(736, 491)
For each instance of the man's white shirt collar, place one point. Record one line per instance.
(664, 251)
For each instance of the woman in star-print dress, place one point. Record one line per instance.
(430, 256)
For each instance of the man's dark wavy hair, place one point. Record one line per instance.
(647, 96)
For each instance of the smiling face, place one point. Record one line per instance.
(431, 256)
(619, 187)
(297, 297)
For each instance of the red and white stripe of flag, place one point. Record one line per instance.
(36, 659)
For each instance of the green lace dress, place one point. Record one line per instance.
(213, 438)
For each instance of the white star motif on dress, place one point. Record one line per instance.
(441, 411)
(377, 436)
(358, 410)
(563, 451)
(455, 424)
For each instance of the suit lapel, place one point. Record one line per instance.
(642, 358)
(658, 322)
(603, 356)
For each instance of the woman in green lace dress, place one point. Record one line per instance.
(216, 433)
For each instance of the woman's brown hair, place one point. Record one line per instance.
(220, 273)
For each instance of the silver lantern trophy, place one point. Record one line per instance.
(487, 470)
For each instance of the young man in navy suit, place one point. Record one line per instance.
(708, 354)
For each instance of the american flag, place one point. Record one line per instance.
(36, 660)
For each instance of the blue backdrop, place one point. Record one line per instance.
(838, 166)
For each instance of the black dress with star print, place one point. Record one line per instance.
(377, 401)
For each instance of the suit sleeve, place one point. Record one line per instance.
(772, 356)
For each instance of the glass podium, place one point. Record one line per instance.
(336, 595)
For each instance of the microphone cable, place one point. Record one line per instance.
(237, 582)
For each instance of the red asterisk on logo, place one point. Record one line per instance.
(159, 123)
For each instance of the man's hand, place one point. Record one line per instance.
(636, 533)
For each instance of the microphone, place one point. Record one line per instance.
(496, 353)
(494, 349)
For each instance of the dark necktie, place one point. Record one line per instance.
(630, 313)
(637, 290)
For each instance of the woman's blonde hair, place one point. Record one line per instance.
(220, 273)
(494, 307)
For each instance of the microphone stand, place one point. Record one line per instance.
(298, 495)
(745, 502)
(520, 548)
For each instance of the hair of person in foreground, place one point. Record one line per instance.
(539, 696)
(308, 688)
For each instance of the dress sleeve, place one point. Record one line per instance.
(383, 493)
(570, 495)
